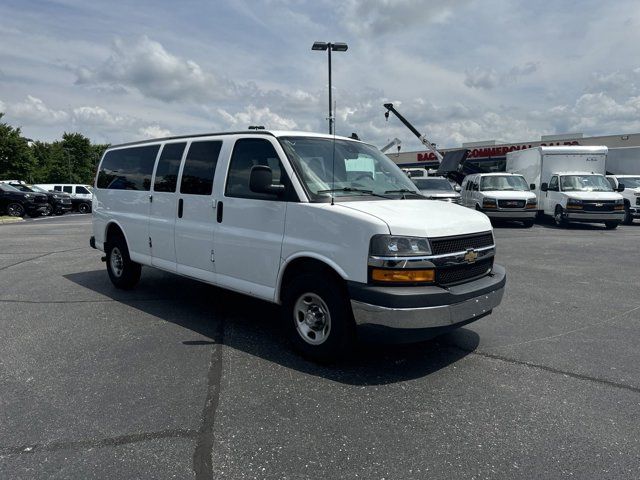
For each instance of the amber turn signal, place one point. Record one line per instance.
(384, 275)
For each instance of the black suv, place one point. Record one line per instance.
(15, 203)
(57, 202)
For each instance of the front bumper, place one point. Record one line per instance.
(419, 313)
(594, 216)
(514, 214)
(635, 211)
(35, 208)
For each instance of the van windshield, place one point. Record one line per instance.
(503, 182)
(345, 168)
(585, 183)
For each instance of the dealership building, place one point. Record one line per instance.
(490, 156)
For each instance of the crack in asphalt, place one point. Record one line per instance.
(557, 371)
(202, 455)
(39, 256)
(97, 443)
(120, 300)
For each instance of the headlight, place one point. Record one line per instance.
(28, 195)
(574, 203)
(532, 203)
(489, 203)
(393, 246)
(620, 201)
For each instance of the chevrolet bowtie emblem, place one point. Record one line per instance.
(470, 256)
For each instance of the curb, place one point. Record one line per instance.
(11, 220)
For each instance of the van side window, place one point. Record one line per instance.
(67, 189)
(128, 168)
(168, 166)
(57, 188)
(82, 190)
(199, 168)
(553, 184)
(247, 153)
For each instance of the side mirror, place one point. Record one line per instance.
(620, 188)
(544, 187)
(532, 186)
(457, 188)
(261, 181)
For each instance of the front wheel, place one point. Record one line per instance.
(528, 223)
(611, 225)
(48, 210)
(559, 218)
(15, 210)
(628, 219)
(318, 318)
(123, 272)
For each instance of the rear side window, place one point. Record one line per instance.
(82, 190)
(199, 167)
(57, 188)
(168, 166)
(248, 153)
(128, 168)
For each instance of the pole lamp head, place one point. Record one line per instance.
(319, 46)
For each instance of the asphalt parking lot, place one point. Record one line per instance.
(178, 379)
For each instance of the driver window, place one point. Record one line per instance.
(553, 184)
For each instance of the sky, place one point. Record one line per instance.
(459, 70)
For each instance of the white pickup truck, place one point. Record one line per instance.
(327, 227)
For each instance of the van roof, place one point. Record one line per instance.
(273, 133)
(567, 149)
(577, 173)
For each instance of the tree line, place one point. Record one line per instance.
(73, 159)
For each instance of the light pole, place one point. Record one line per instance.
(336, 47)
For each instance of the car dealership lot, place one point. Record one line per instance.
(178, 379)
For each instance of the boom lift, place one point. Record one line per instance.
(392, 143)
(422, 138)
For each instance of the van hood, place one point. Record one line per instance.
(509, 194)
(594, 195)
(423, 218)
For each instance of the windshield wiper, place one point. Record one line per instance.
(352, 190)
(404, 191)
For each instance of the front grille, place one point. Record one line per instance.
(66, 201)
(511, 203)
(603, 206)
(461, 273)
(41, 199)
(444, 245)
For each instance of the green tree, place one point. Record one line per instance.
(16, 159)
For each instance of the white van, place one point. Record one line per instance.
(630, 193)
(570, 184)
(504, 196)
(81, 195)
(329, 228)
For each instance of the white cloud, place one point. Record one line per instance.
(145, 66)
(257, 116)
(34, 110)
(153, 131)
(489, 78)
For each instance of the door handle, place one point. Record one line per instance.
(180, 207)
(219, 212)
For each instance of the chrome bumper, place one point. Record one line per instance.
(594, 216)
(519, 214)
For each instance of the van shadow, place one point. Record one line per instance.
(252, 326)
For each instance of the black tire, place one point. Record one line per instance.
(528, 223)
(48, 210)
(15, 209)
(318, 298)
(628, 219)
(123, 272)
(611, 225)
(559, 218)
(84, 208)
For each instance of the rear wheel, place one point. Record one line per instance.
(611, 225)
(558, 217)
(84, 208)
(123, 272)
(317, 317)
(15, 210)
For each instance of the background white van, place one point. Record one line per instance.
(81, 195)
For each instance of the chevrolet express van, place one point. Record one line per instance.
(629, 188)
(327, 227)
(503, 196)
